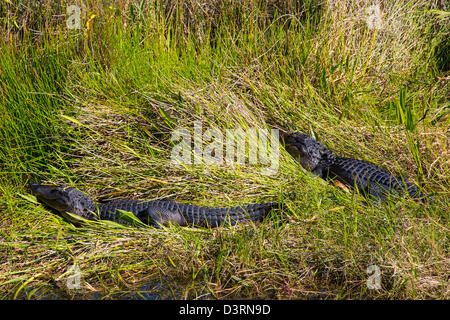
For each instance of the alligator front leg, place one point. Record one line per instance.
(161, 215)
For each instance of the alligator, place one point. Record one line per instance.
(64, 199)
(369, 179)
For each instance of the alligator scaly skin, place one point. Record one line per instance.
(368, 178)
(164, 211)
(156, 213)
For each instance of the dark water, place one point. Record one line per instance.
(153, 289)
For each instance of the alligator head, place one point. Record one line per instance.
(64, 199)
(312, 155)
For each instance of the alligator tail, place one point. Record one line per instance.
(414, 192)
(214, 217)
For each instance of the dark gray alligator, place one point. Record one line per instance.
(65, 199)
(368, 178)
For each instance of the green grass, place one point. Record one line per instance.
(95, 108)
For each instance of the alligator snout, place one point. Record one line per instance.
(42, 190)
(48, 192)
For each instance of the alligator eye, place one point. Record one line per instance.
(57, 192)
(303, 150)
(293, 150)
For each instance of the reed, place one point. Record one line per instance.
(95, 107)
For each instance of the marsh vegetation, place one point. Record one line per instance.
(95, 106)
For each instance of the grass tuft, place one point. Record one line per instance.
(95, 108)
